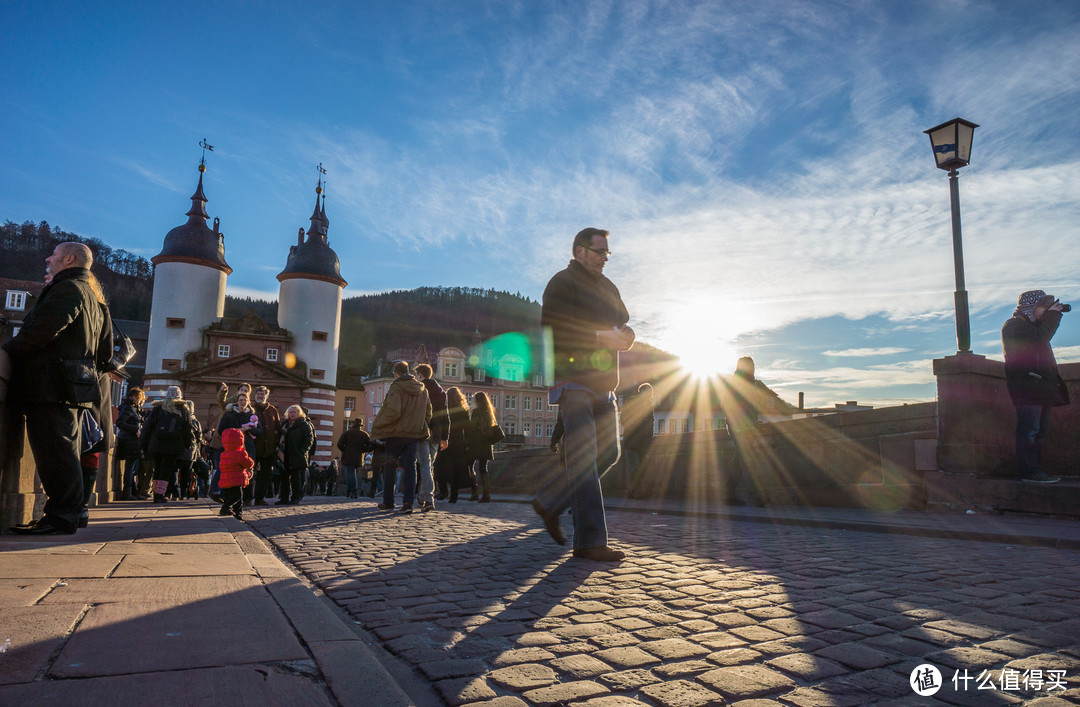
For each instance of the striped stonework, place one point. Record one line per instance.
(320, 406)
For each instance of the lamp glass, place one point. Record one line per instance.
(951, 143)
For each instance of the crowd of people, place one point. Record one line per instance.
(427, 443)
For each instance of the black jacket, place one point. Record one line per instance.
(1030, 368)
(439, 425)
(298, 443)
(353, 443)
(576, 306)
(154, 443)
(128, 427)
(67, 323)
(234, 417)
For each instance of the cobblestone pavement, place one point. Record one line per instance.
(704, 612)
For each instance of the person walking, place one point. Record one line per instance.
(483, 433)
(1031, 374)
(166, 436)
(402, 424)
(63, 343)
(127, 428)
(353, 444)
(742, 401)
(297, 445)
(438, 429)
(265, 447)
(587, 321)
(236, 472)
(452, 463)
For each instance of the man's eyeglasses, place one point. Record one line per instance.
(600, 251)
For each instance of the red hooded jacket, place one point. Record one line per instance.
(235, 464)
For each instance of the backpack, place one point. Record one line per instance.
(170, 428)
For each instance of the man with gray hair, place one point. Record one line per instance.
(57, 355)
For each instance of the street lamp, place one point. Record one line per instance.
(348, 414)
(951, 143)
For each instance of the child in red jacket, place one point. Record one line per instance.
(236, 473)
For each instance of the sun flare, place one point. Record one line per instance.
(701, 356)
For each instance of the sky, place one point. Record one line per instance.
(761, 165)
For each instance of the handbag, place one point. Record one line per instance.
(123, 350)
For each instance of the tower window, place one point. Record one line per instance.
(272, 355)
(317, 374)
(223, 350)
(170, 364)
(174, 323)
(318, 336)
(350, 403)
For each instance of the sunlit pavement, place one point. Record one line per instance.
(478, 601)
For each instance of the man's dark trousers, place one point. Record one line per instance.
(54, 435)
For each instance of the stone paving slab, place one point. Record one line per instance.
(703, 611)
(28, 545)
(178, 637)
(181, 565)
(242, 685)
(31, 634)
(24, 592)
(164, 590)
(129, 547)
(175, 535)
(28, 566)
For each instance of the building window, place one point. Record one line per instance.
(170, 364)
(318, 336)
(526, 429)
(271, 355)
(317, 374)
(174, 322)
(659, 427)
(538, 380)
(481, 375)
(539, 403)
(526, 402)
(511, 402)
(450, 370)
(350, 403)
(686, 425)
(494, 400)
(469, 398)
(223, 350)
(511, 428)
(16, 300)
(550, 429)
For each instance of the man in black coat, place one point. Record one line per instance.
(586, 318)
(62, 345)
(1032, 376)
(439, 428)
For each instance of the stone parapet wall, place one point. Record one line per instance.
(873, 458)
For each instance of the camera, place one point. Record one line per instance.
(1066, 307)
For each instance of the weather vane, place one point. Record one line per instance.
(321, 173)
(205, 146)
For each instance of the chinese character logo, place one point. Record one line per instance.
(925, 680)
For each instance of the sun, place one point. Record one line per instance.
(701, 356)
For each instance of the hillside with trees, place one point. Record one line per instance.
(126, 278)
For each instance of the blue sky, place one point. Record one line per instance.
(760, 165)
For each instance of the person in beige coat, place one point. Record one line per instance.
(402, 423)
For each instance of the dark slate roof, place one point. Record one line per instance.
(194, 239)
(313, 255)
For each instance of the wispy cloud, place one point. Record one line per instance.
(864, 353)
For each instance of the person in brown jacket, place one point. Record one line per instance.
(265, 447)
(402, 423)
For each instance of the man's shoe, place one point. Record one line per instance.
(1040, 477)
(406, 508)
(386, 507)
(238, 516)
(551, 522)
(84, 517)
(602, 553)
(40, 527)
(225, 512)
(427, 506)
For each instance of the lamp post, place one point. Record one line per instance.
(348, 414)
(951, 143)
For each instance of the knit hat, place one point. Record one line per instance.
(1032, 299)
(173, 392)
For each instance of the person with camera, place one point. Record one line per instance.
(1031, 374)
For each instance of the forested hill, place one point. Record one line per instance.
(433, 316)
(127, 278)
